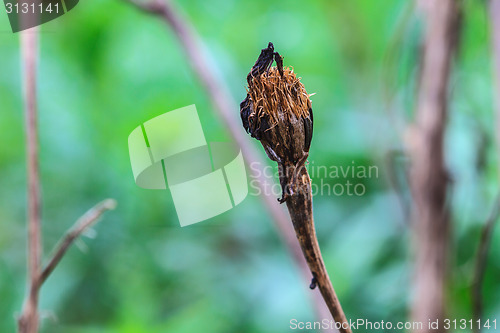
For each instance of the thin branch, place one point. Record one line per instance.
(481, 262)
(28, 322)
(428, 176)
(29, 317)
(82, 224)
(227, 108)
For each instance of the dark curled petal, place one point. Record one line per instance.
(245, 111)
(263, 62)
(279, 62)
(260, 131)
(308, 128)
(249, 122)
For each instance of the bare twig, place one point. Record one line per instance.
(83, 223)
(428, 177)
(227, 108)
(28, 322)
(27, 318)
(481, 261)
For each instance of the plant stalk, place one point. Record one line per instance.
(299, 204)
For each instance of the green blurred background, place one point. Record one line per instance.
(105, 68)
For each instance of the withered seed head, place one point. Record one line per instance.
(276, 95)
(277, 110)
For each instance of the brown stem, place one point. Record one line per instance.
(428, 175)
(226, 108)
(27, 318)
(28, 321)
(299, 204)
(82, 224)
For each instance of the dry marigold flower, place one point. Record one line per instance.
(277, 112)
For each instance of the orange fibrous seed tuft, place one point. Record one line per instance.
(278, 97)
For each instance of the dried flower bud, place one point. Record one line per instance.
(277, 110)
